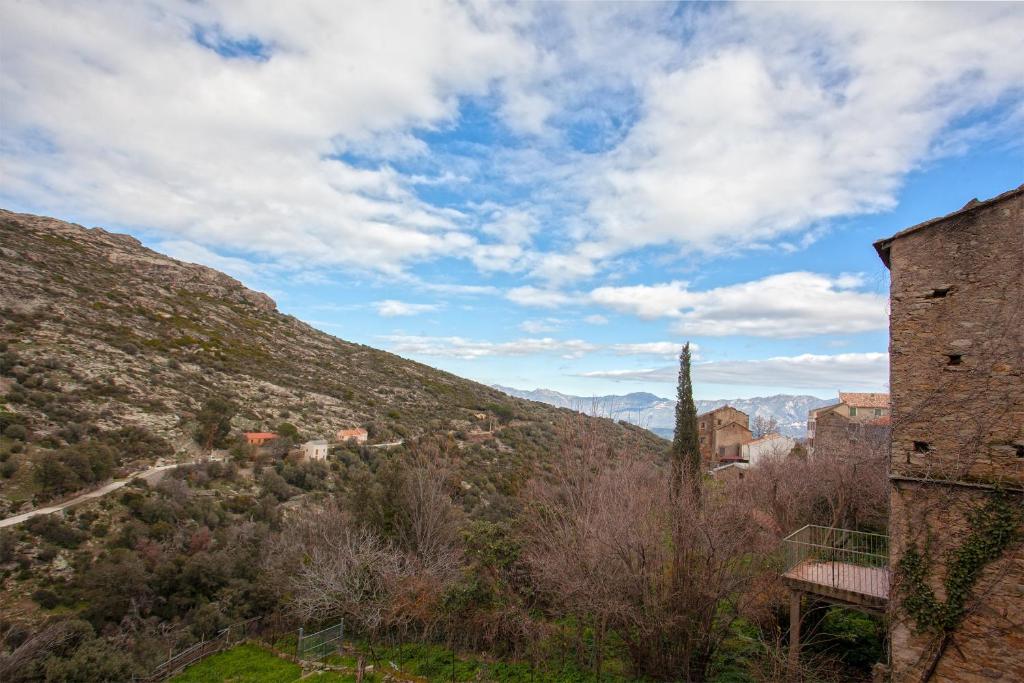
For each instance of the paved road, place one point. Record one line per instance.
(149, 475)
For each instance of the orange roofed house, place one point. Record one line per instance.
(259, 438)
(723, 431)
(359, 435)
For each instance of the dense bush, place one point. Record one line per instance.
(53, 529)
(74, 466)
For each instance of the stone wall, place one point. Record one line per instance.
(957, 346)
(957, 386)
(989, 643)
(841, 437)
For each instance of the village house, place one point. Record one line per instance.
(258, 438)
(957, 446)
(854, 406)
(730, 472)
(359, 435)
(768, 446)
(722, 432)
(315, 449)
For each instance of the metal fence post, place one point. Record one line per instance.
(298, 646)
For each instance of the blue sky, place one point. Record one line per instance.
(541, 195)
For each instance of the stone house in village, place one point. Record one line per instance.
(722, 433)
(842, 437)
(856, 407)
(957, 447)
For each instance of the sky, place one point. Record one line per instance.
(534, 195)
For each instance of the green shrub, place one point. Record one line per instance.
(47, 599)
(16, 431)
(51, 528)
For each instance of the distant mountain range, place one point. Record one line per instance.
(658, 414)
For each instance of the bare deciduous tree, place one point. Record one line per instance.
(610, 543)
(763, 426)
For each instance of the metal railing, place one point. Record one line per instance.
(316, 646)
(843, 559)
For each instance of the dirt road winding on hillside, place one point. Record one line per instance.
(150, 475)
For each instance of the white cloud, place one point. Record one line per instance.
(468, 349)
(771, 119)
(767, 121)
(540, 326)
(807, 371)
(787, 305)
(241, 151)
(539, 298)
(455, 289)
(390, 308)
(664, 348)
(596, 319)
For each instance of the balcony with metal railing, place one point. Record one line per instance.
(851, 567)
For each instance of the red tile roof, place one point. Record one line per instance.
(858, 400)
(260, 435)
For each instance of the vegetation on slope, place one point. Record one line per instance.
(550, 536)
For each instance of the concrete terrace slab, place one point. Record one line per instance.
(849, 583)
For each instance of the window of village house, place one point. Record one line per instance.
(878, 412)
(853, 411)
(922, 447)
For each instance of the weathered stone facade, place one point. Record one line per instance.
(839, 436)
(722, 432)
(957, 386)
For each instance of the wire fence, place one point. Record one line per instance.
(224, 639)
(842, 559)
(317, 646)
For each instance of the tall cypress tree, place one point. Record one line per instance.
(685, 444)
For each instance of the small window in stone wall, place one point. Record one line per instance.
(954, 359)
(940, 293)
(922, 447)
(1019, 447)
(853, 412)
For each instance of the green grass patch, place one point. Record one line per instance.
(242, 664)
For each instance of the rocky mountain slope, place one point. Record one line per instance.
(658, 414)
(100, 332)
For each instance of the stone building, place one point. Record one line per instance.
(841, 436)
(723, 431)
(957, 383)
(856, 406)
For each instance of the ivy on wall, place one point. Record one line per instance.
(993, 528)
